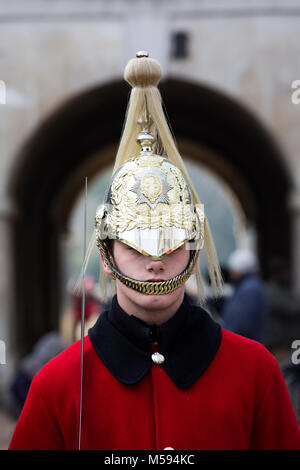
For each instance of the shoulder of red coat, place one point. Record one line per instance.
(66, 363)
(244, 349)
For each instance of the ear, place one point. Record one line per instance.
(105, 267)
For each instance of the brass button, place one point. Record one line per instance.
(158, 358)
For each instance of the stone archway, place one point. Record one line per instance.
(247, 158)
(67, 145)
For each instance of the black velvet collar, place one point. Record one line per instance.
(188, 341)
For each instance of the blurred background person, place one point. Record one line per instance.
(245, 312)
(284, 326)
(284, 317)
(215, 305)
(53, 343)
(291, 374)
(48, 346)
(70, 323)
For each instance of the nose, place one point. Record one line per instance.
(155, 267)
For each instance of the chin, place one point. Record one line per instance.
(150, 308)
(157, 302)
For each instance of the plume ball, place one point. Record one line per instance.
(143, 72)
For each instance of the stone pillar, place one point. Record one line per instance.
(295, 215)
(7, 295)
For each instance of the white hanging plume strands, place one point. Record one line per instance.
(82, 322)
(143, 74)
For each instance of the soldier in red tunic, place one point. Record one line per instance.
(159, 372)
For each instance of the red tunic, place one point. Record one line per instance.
(239, 402)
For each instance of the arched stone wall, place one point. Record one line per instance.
(65, 148)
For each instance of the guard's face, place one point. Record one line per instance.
(133, 264)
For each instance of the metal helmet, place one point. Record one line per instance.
(149, 207)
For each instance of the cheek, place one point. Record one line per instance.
(179, 262)
(129, 263)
